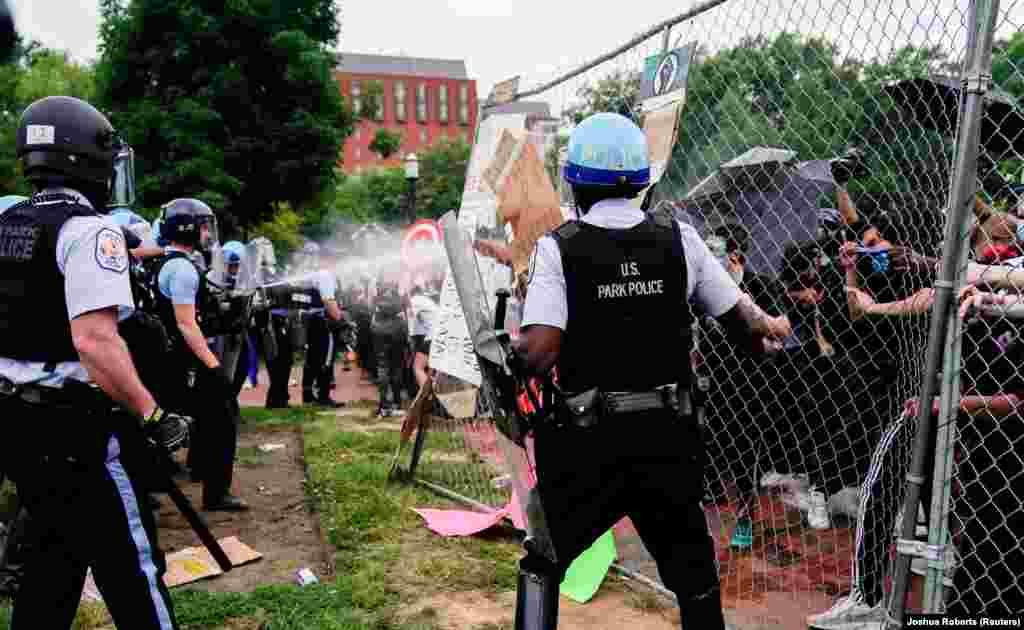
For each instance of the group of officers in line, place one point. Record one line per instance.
(83, 397)
(114, 339)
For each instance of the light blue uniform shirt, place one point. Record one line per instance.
(179, 281)
(93, 280)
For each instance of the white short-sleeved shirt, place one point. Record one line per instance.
(707, 282)
(92, 255)
(424, 311)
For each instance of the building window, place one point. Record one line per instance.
(379, 109)
(421, 103)
(463, 104)
(423, 136)
(357, 100)
(400, 101)
(442, 101)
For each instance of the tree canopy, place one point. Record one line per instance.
(231, 102)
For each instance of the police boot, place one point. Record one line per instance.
(536, 602)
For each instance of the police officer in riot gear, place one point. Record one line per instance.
(78, 416)
(619, 269)
(200, 385)
(322, 286)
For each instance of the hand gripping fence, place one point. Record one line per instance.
(871, 467)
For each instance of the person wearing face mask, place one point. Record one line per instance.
(735, 402)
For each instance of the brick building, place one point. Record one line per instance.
(423, 99)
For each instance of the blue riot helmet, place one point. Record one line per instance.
(607, 158)
(9, 201)
(233, 252)
(189, 222)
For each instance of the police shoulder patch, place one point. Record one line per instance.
(111, 252)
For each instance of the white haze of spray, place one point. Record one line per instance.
(377, 257)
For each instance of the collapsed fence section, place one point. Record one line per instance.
(813, 150)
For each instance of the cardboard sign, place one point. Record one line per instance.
(504, 92)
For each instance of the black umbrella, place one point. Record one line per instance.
(769, 194)
(935, 102)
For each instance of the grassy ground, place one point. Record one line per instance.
(386, 560)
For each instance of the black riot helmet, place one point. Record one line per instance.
(64, 141)
(183, 221)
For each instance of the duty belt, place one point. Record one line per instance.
(48, 396)
(590, 408)
(631, 402)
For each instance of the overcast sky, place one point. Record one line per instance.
(542, 38)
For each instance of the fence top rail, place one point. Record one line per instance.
(703, 7)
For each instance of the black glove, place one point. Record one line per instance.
(167, 429)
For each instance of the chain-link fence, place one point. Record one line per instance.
(817, 153)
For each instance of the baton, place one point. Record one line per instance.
(195, 521)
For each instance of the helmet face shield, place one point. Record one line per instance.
(208, 236)
(122, 183)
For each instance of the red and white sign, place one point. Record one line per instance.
(422, 253)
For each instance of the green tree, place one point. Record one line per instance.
(386, 143)
(378, 196)
(231, 102)
(33, 73)
(442, 177)
(618, 92)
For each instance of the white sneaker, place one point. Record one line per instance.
(849, 613)
(817, 513)
(813, 503)
(845, 502)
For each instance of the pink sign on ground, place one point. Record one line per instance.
(460, 522)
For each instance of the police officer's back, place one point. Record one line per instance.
(619, 278)
(76, 461)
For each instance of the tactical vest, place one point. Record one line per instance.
(164, 306)
(309, 288)
(629, 320)
(34, 323)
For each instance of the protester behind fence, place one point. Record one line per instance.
(880, 492)
(988, 522)
(737, 415)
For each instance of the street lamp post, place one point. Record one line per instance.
(412, 173)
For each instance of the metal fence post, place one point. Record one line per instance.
(976, 80)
